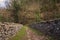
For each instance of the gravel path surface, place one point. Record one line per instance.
(32, 36)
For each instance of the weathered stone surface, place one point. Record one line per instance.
(51, 28)
(8, 30)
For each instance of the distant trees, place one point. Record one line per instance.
(22, 10)
(48, 7)
(14, 7)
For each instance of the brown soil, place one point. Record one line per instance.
(33, 36)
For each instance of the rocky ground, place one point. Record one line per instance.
(8, 30)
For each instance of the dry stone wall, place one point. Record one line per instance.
(51, 28)
(8, 30)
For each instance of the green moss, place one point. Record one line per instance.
(19, 35)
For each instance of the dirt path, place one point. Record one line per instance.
(32, 36)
